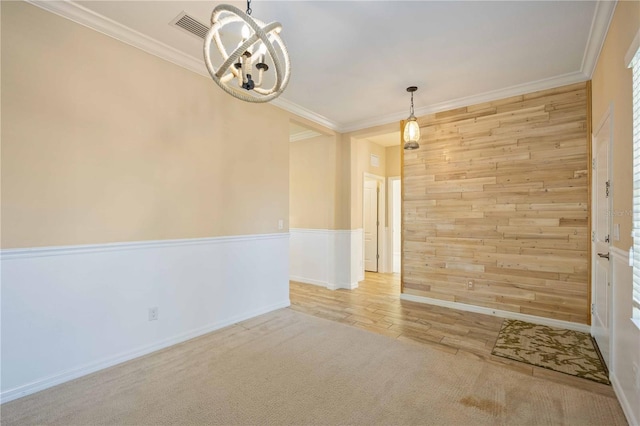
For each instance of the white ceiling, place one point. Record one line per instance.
(352, 60)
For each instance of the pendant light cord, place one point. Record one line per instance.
(249, 7)
(411, 103)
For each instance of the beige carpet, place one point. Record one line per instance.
(567, 351)
(290, 368)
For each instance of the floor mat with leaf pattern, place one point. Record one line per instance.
(566, 351)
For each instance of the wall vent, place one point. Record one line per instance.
(190, 24)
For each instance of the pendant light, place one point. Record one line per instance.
(241, 72)
(411, 128)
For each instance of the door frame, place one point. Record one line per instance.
(390, 219)
(382, 252)
(607, 117)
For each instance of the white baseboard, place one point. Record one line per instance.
(69, 311)
(350, 286)
(624, 336)
(498, 313)
(306, 280)
(65, 376)
(325, 284)
(624, 402)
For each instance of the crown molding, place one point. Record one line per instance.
(303, 112)
(597, 34)
(111, 28)
(494, 95)
(86, 17)
(83, 16)
(307, 134)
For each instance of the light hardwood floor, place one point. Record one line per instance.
(376, 306)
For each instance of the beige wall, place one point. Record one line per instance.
(362, 165)
(319, 183)
(499, 195)
(102, 142)
(611, 86)
(312, 190)
(394, 166)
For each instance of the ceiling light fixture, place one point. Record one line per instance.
(411, 127)
(236, 75)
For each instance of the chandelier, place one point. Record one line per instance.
(242, 72)
(411, 128)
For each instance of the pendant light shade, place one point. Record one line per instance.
(411, 134)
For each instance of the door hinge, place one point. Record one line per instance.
(593, 309)
(593, 163)
(607, 185)
(593, 236)
(606, 240)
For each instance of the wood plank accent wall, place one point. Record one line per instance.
(498, 194)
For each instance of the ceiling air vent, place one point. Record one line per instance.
(190, 25)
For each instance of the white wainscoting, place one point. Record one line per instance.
(625, 339)
(70, 311)
(325, 257)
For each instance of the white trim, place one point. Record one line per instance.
(303, 112)
(323, 257)
(307, 134)
(520, 89)
(606, 115)
(498, 313)
(382, 215)
(622, 255)
(104, 25)
(624, 403)
(65, 376)
(390, 220)
(21, 253)
(600, 334)
(633, 48)
(322, 231)
(208, 278)
(305, 280)
(346, 286)
(597, 34)
(86, 17)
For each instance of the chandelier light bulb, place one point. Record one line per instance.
(241, 72)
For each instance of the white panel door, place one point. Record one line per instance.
(601, 282)
(370, 207)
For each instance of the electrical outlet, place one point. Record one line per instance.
(470, 285)
(153, 313)
(280, 224)
(636, 375)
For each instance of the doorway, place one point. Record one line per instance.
(371, 224)
(601, 224)
(395, 223)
